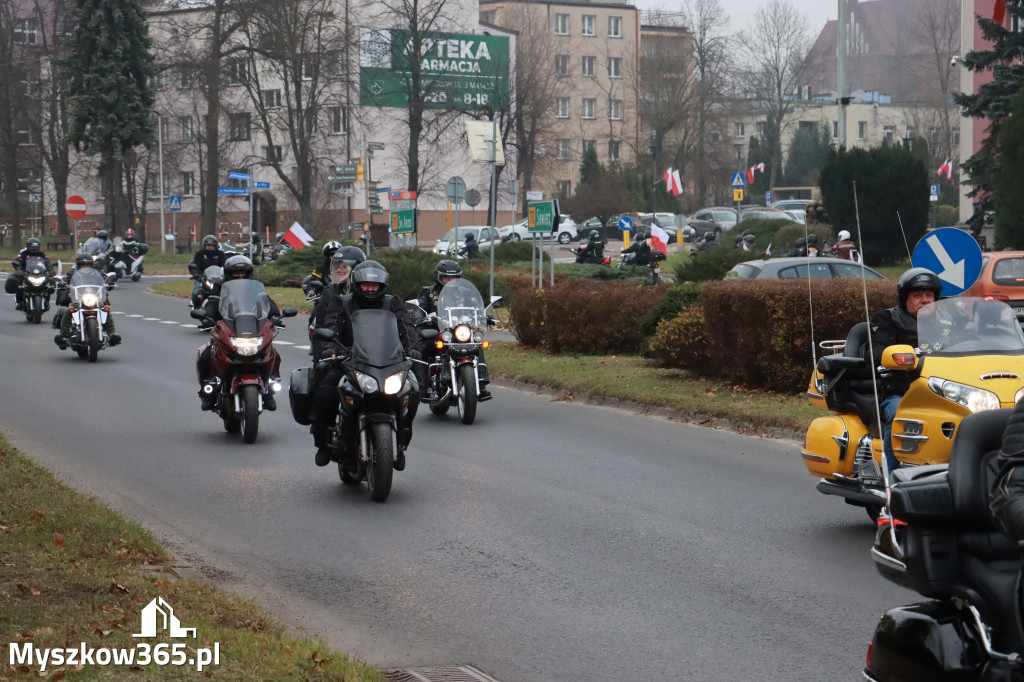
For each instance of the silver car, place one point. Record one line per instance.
(798, 268)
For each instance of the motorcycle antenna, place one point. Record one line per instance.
(810, 303)
(904, 232)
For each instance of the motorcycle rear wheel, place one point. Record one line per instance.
(250, 400)
(92, 336)
(382, 462)
(467, 394)
(137, 276)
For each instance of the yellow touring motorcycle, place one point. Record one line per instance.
(970, 358)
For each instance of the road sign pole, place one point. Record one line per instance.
(369, 211)
(160, 144)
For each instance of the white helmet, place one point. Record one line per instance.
(844, 235)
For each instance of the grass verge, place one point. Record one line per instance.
(73, 571)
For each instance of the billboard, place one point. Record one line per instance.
(463, 71)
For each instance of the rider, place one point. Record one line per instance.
(799, 248)
(325, 312)
(368, 281)
(843, 248)
(471, 248)
(812, 245)
(322, 272)
(236, 267)
(209, 255)
(916, 288)
(62, 320)
(707, 242)
(1007, 500)
(594, 250)
(128, 241)
(33, 249)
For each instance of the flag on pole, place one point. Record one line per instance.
(947, 170)
(999, 11)
(659, 239)
(297, 237)
(673, 184)
(768, 251)
(750, 172)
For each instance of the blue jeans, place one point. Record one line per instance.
(195, 291)
(888, 410)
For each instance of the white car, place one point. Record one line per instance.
(566, 230)
(455, 238)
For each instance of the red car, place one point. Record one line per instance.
(1002, 278)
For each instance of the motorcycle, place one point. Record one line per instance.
(970, 358)
(939, 540)
(88, 308)
(630, 259)
(245, 368)
(209, 279)
(453, 375)
(126, 259)
(102, 260)
(36, 288)
(583, 257)
(377, 380)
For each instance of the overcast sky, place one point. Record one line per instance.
(741, 12)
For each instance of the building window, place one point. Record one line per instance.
(588, 107)
(188, 128)
(564, 189)
(562, 64)
(615, 109)
(561, 24)
(273, 153)
(760, 129)
(158, 81)
(589, 144)
(614, 27)
(613, 67)
(911, 132)
(588, 66)
(25, 31)
(613, 150)
(588, 25)
(835, 130)
(338, 120)
(562, 107)
(188, 183)
(741, 129)
(238, 71)
(241, 126)
(153, 185)
(488, 17)
(888, 133)
(562, 149)
(271, 98)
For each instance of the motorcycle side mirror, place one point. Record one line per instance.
(494, 300)
(900, 357)
(324, 333)
(289, 312)
(429, 334)
(197, 313)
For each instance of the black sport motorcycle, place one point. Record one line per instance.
(37, 286)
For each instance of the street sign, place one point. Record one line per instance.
(738, 180)
(472, 197)
(768, 198)
(238, 176)
(375, 146)
(737, 195)
(533, 195)
(174, 203)
(625, 223)
(261, 185)
(75, 206)
(933, 193)
(346, 191)
(543, 216)
(455, 189)
(35, 198)
(232, 190)
(403, 195)
(403, 222)
(953, 255)
(356, 226)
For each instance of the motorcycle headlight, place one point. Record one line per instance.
(36, 281)
(246, 346)
(393, 384)
(90, 300)
(974, 399)
(208, 284)
(463, 333)
(446, 336)
(367, 384)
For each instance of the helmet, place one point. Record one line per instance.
(238, 267)
(33, 245)
(351, 255)
(330, 248)
(83, 260)
(470, 237)
(594, 234)
(102, 234)
(749, 238)
(800, 242)
(844, 235)
(210, 239)
(917, 279)
(747, 232)
(812, 239)
(446, 268)
(129, 233)
(369, 271)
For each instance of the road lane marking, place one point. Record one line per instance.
(168, 322)
(151, 319)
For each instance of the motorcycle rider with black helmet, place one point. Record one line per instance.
(322, 272)
(369, 281)
(325, 312)
(33, 249)
(594, 251)
(471, 248)
(62, 320)
(916, 288)
(236, 267)
(209, 254)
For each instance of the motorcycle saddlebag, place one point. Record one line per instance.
(143, 248)
(300, 395)
(11, 284)
(63, 298)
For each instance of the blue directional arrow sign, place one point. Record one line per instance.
(625, 223)
(737, 179)
(174, 202)
(953, 255)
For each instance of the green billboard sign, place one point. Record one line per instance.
(403, 222)
(463, 71)
(542, 216)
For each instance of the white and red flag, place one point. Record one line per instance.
(999, 11)
(947, 170)
(659, 239)
(750, 172)
(673, 183)
(297, 237)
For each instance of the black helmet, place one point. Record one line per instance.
(238, 267)
(83, 260)
(749, 238)
(102, 234)
(330, 248)
(446, 268)
(210, 239)
(812, 239)
(33, 245)
(800, 242)
(369, 271)
(470, 237)
(594, 234)
(349, 255)
(746, 232)
(917, 279)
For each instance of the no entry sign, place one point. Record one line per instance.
(75, 206)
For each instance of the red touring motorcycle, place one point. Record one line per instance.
(244, 365)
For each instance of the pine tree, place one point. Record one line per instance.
(1010, 216)
(807, 154)
(108, 68)
(590, 168)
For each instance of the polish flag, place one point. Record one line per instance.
(659, 239)
(999, 11)
(297, 237)
(677, 183)
(947, 170)
(750, 172)
(768, 251)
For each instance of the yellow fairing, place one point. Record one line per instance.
(830, 445)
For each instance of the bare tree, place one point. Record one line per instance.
(15, 58)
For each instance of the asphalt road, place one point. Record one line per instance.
(550, 540)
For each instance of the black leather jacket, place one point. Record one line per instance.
(204, 259)
(348, 304)
(21, 260)
(890, 327)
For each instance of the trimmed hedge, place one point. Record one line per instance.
(672, 302)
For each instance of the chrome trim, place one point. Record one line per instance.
(888, 561)
(999, 374)
(916, 439)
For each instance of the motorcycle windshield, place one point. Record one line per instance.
(92, 246)
(969, 326)
(244, 306)
(214, 273)
(375, 340)
(460, 303)
(35, 266)
(88, 281)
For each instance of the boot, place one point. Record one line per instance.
(323, 456)
(113, 339)
(61, 342)
(485, 378)
(209, 401)
(400, 459)
(269, 402)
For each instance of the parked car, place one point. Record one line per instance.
(791, 204)
(567, 230)
(797, 268)
(717, 219)
(1002, 278)
(666, 221)
(764, 213)
(457, 237)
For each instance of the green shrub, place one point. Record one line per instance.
(946, 215)
(711, 264)
(785, 238)
(675, 299)
(682, 341)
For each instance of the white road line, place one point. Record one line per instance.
(302, 347)
(168, 322)
(134, 315)
(283, 343)
(151, 319)
(187, 326)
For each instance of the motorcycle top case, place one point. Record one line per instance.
(11, 284)
(300, 395)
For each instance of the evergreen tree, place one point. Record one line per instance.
(993, 100)
(1010, 216)
(108, 68)
(807, 154)
(590, 168)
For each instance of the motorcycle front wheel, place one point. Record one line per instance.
(92, 336)
(250, 400)
(137, 276)
(467, 394)
(382, 462)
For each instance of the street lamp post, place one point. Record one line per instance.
(160, 148)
